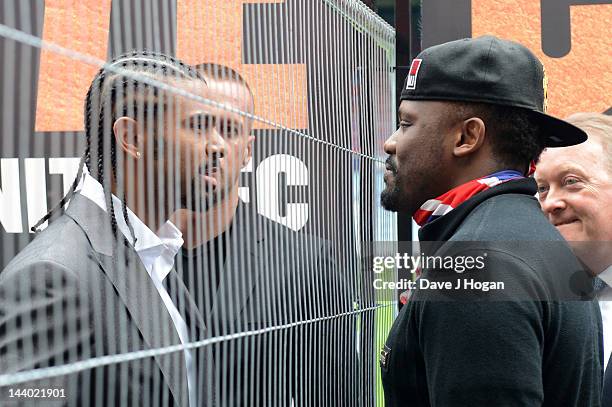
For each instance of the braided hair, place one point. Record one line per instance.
(112, 95)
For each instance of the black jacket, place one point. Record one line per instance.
(532, 343)
(271, 278)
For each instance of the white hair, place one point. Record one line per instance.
(599, 127)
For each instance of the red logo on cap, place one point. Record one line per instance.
(412, 75)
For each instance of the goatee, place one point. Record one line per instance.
(389, 199)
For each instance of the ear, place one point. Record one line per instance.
(127, 138)
(249, 151)
(471, 138)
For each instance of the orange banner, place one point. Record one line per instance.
(207, 31)
(280, 91)
(579, 82)
(80, 25)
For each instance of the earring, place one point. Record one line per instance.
(137, 154)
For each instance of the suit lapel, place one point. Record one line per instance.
(136, 290)
(197, 331)
(184, 302)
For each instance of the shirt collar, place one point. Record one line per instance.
(149, 245)
(606, 276)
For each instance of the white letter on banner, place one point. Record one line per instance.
(36, 187)
(10, 198)
(67, 167)
(243, 192)
(267, 189)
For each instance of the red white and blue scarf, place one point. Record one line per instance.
(434, 208)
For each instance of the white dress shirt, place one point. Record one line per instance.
(605, 305)
(157, 253)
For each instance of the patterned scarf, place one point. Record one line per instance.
(434, 208)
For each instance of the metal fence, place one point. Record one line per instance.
(211, 170)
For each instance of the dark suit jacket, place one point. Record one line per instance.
(284, 289)
(75, 293)
(606, 400)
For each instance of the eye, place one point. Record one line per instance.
(198, 123)
(542, 189)
(569, 181)
(231, 129)
(404, 124)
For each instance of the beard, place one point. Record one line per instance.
(390, 197)
(202, 197)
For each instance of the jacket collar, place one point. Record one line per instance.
(125, 271)
(443, 228)
(94, 222)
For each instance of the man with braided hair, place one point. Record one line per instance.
(96, 283)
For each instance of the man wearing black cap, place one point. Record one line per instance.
(472, 122)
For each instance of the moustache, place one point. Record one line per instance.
(209, 166)
(391, 165)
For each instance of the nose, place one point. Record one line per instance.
(215, 143)
(553, 203)
(390, 145)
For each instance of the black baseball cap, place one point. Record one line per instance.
(491, 70)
